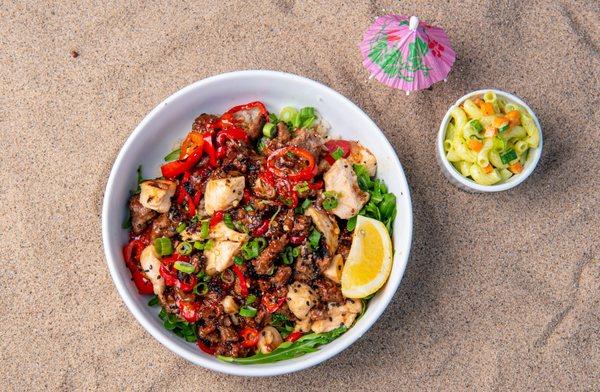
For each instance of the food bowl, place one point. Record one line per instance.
(172, 119)
(467, 184)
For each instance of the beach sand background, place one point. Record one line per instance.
(501, 291)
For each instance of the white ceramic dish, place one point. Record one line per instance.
(172, 119)
(469, 185)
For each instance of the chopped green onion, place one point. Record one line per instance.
(250, 299)
(248, 207)
(351, 224)
(251, 249)
(273, 118)
(199, 245)
(153, 301)
(228, 221)
(296, 251)
(288, 114)
(314, 238)
(308, 122)
(201, 288)
(181, 227)
(307, 112)
(173, 155)
(337, 153)
(184, 267)
(508, 156)
(499, 143)
(269, 130)
(476, 125)
(238, 260)
(302, 187)
(204, 229)
(184, 248)
(261, 143)
(330, 201)
(203, 276)
(287, 256)
(247, 311)
(262, 243)
(228, 276)
(503, 128)
(304, 206)
(387, 206)
(364, 179)
(208, 245)
(163, 246)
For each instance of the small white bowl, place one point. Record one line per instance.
(172, 119)
(466, 184)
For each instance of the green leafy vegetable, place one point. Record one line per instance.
(337, 153)
(248, 311)
(126, 222)
(173, 155)
(153, 301)
(180, 328)
(381, 205)
(288, 350)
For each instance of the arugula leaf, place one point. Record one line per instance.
(288, 350)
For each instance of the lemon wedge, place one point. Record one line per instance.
(369, 261)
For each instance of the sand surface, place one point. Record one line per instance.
(501, 291)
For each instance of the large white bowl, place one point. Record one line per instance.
(469, 185)
(155, 136)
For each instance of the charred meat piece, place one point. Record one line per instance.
(304, 269)
(201, 121)
(282, 276)
(263, 263)
(140, 215)
(329, 291)
(308, 140)
(163, 226)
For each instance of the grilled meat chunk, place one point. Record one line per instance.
(263, 263)
(163, 226)
(140, 216)
(223, 194)
(308, 140)
(329, 291)
(341, 180)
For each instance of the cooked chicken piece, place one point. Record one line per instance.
(223, 233)
(251, 120)
(156, 194)
(338, 315)
(229, 305)
(361, 155)
(140, 215)
(268, 340)
(150, 263)
(223, 194)
(300, 299)
(334, 270)
(341, 180)
(220, 256)
(327, 225)
(303, 325)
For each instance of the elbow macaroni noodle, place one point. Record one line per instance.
(489, 148)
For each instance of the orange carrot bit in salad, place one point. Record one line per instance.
(516, 167)
(475, 145)
(488, 169)
(487, 108)
(514, 117)
(490, 132)
(478, 101)
(500, 121)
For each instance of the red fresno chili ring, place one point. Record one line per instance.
(306, 173)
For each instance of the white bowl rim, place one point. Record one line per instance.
(529, 167)
(283, 367)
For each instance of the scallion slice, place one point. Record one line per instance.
(476, 125)
(163, 246)
(250, 299)
(337, 153)
(181, 227)
(503, 128)
(228, 221)
(269, 130)
(184, 248)
(199, 245)
(330, 201)
(204, 229)
(288, 114)
(238, 260)
(184, 267)
(314, 238)
(201, 288)
(247, 311)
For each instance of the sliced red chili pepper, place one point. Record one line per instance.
(250, 105)
(221, 152)
(294, 336)
(169, 276)
(233, 134)
(242, 279)
(216, 218)
(250, 337)
(192, 141)
(316, 185)
(305, 173)
(175, 168)
(272, 304)
(190, 311)
(207, 349)
(188, 286)
(247, 196)
(297, 239)
(209, 148)
(262, 229)
(197, 197)
(175, 257)
(191, 206)
(333, 145)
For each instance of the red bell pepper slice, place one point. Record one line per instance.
(131, 254)
(250, 105)
(294, 336)
(190, 311)
(209, 148)
(272, 304)
(333, 145)
(240, 275)
(250, 337)
(305, 173)
(207, 349)
(262, 229)
(175, 168)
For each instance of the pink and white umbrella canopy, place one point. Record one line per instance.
(406, 53)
